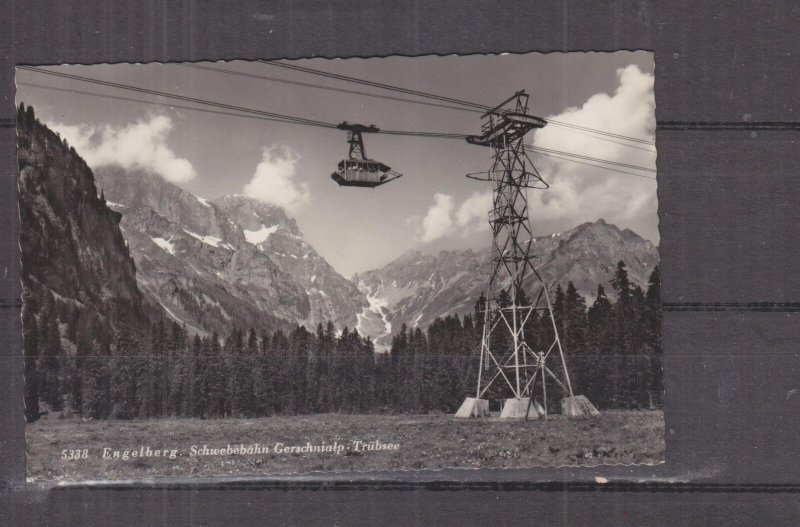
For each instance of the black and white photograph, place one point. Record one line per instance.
(290, 267)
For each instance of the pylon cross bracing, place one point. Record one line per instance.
(509, 354)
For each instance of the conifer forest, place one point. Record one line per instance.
(81, 362)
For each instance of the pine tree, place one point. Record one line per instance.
(251, 356)
(627, 362)
(30, 350)
(263, 382)
(159, 356)
(601, 374)
(653, 298)
(296, 359)
(341, 373)
(318, 374)
(639, 363)
(52, 363)
(313, 381)
(83, 348)
(420, 374)
(150, 391)
(574, 321)
(241, 375)
(559, 309)
(94, 373)
(30, 117)
(216, 379)
(623, 308)
(367, 369)
(123, 382)
(280, 377)
(193, 403)
(45, 315)
(177, 370)
(655, 384)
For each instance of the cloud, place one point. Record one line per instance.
(274, 180)
(138, 145)
(582, 193)
(438, 221)
(577, 192)
(445, 218)
(472, 214)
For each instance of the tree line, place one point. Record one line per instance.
(73, 367)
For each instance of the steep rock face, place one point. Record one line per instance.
(70, 240)
(588, 255)
(235, 261)
(416, 288)
(268, 228)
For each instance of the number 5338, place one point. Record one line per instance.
(70, 455)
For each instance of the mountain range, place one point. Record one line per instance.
(129, 241)
(235, 259)
(231, 261)
(417, 287)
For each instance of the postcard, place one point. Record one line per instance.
(247, 269)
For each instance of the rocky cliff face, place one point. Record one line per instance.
(417, 287)
(70, 240)
(268, 228)
(234, 261)
(588, 255)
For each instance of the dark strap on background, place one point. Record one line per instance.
(729, 125)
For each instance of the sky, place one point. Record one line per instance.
(433, 206)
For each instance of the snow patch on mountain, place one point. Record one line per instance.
(167, 245)
(261, 235)
(213, 241)
(373, 321)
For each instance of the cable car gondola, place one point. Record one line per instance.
(357, 170)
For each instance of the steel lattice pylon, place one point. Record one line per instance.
(518, 364)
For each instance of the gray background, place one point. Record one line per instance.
(726, 91)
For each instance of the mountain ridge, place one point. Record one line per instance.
(230, 261)
(238, 260)
(417, 287)
(70, 241)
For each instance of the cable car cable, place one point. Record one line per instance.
(271, 114)
(610, 140)
(597, 134)
(441, 135)
(278, 117)
(541, 150)
(164, 104)
(601, 132)
(589, 158)
(376, 84)
(596, 166)
(179, 97)
(297, 120)
(321, 87)
(440, 97)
